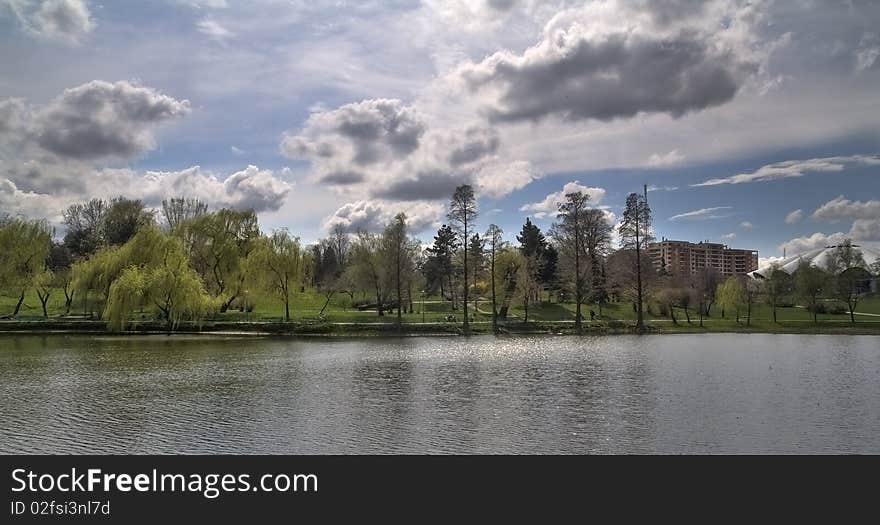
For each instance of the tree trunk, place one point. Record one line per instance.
(466, 327)
(18, 304)
(43, 300)
(640, 323)
(578, 324)
(687, 314)
(494, 310)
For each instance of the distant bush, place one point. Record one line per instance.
(819, 308)
(837, 309)
(614, 324)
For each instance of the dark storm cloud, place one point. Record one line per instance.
(427, 185)
(477, 143)
(342, 178)
(100, 119)
(369, 131)
(501, 5)
(618, 76)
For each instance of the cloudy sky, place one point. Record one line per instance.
(756, 123)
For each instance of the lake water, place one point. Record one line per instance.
(618, 394)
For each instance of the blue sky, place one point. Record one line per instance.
(325, 113)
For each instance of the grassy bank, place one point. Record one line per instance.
(430, 317)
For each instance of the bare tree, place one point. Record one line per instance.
(462, 212)
(496, 243)
(179, 210)
(635, 235)
(569, 234)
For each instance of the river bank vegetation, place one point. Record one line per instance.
(120, 267)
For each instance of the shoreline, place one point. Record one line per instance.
(369, 330)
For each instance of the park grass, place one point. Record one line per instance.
(341, 317)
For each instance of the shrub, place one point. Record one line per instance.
(837, 309)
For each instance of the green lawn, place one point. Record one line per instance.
(306, 307)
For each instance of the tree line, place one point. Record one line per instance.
(118, 259)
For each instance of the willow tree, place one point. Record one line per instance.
(280, 263)
(152, 272)
(219, 244)
(24, 249)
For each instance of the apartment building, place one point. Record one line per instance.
(686, 258)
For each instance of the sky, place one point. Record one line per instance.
(755, 124)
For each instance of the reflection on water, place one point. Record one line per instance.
(659, 394)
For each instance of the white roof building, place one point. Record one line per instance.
(817, 257)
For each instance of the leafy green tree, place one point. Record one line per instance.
(777, 286)
(810, 282)
(366, 270)
(281, 264)
(24, 249)
(549, 274)
(150, 271)
(219, 246)
(397, 258)
(438, 266)
(477, 253)
(164, 282)
(123, 218)
(527, 281)
(847, 266)
(507, 263)
(731, 296)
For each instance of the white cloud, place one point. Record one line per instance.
(671, 158)
(811, 242)
(746, 225)
(702, 214)
(213, 29)
(236, 150)
(867, 52)
(550, 204)
(764, 262)
(794, 168)
(794, 216)
(30, 204)
(729, 236)
(662, 188)
(592, 63)
(375, 215)
(385, 149)
(251, 187)
(66, 20)
(842, 208)
(94, 120)
(497, 179)
(865, 230)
